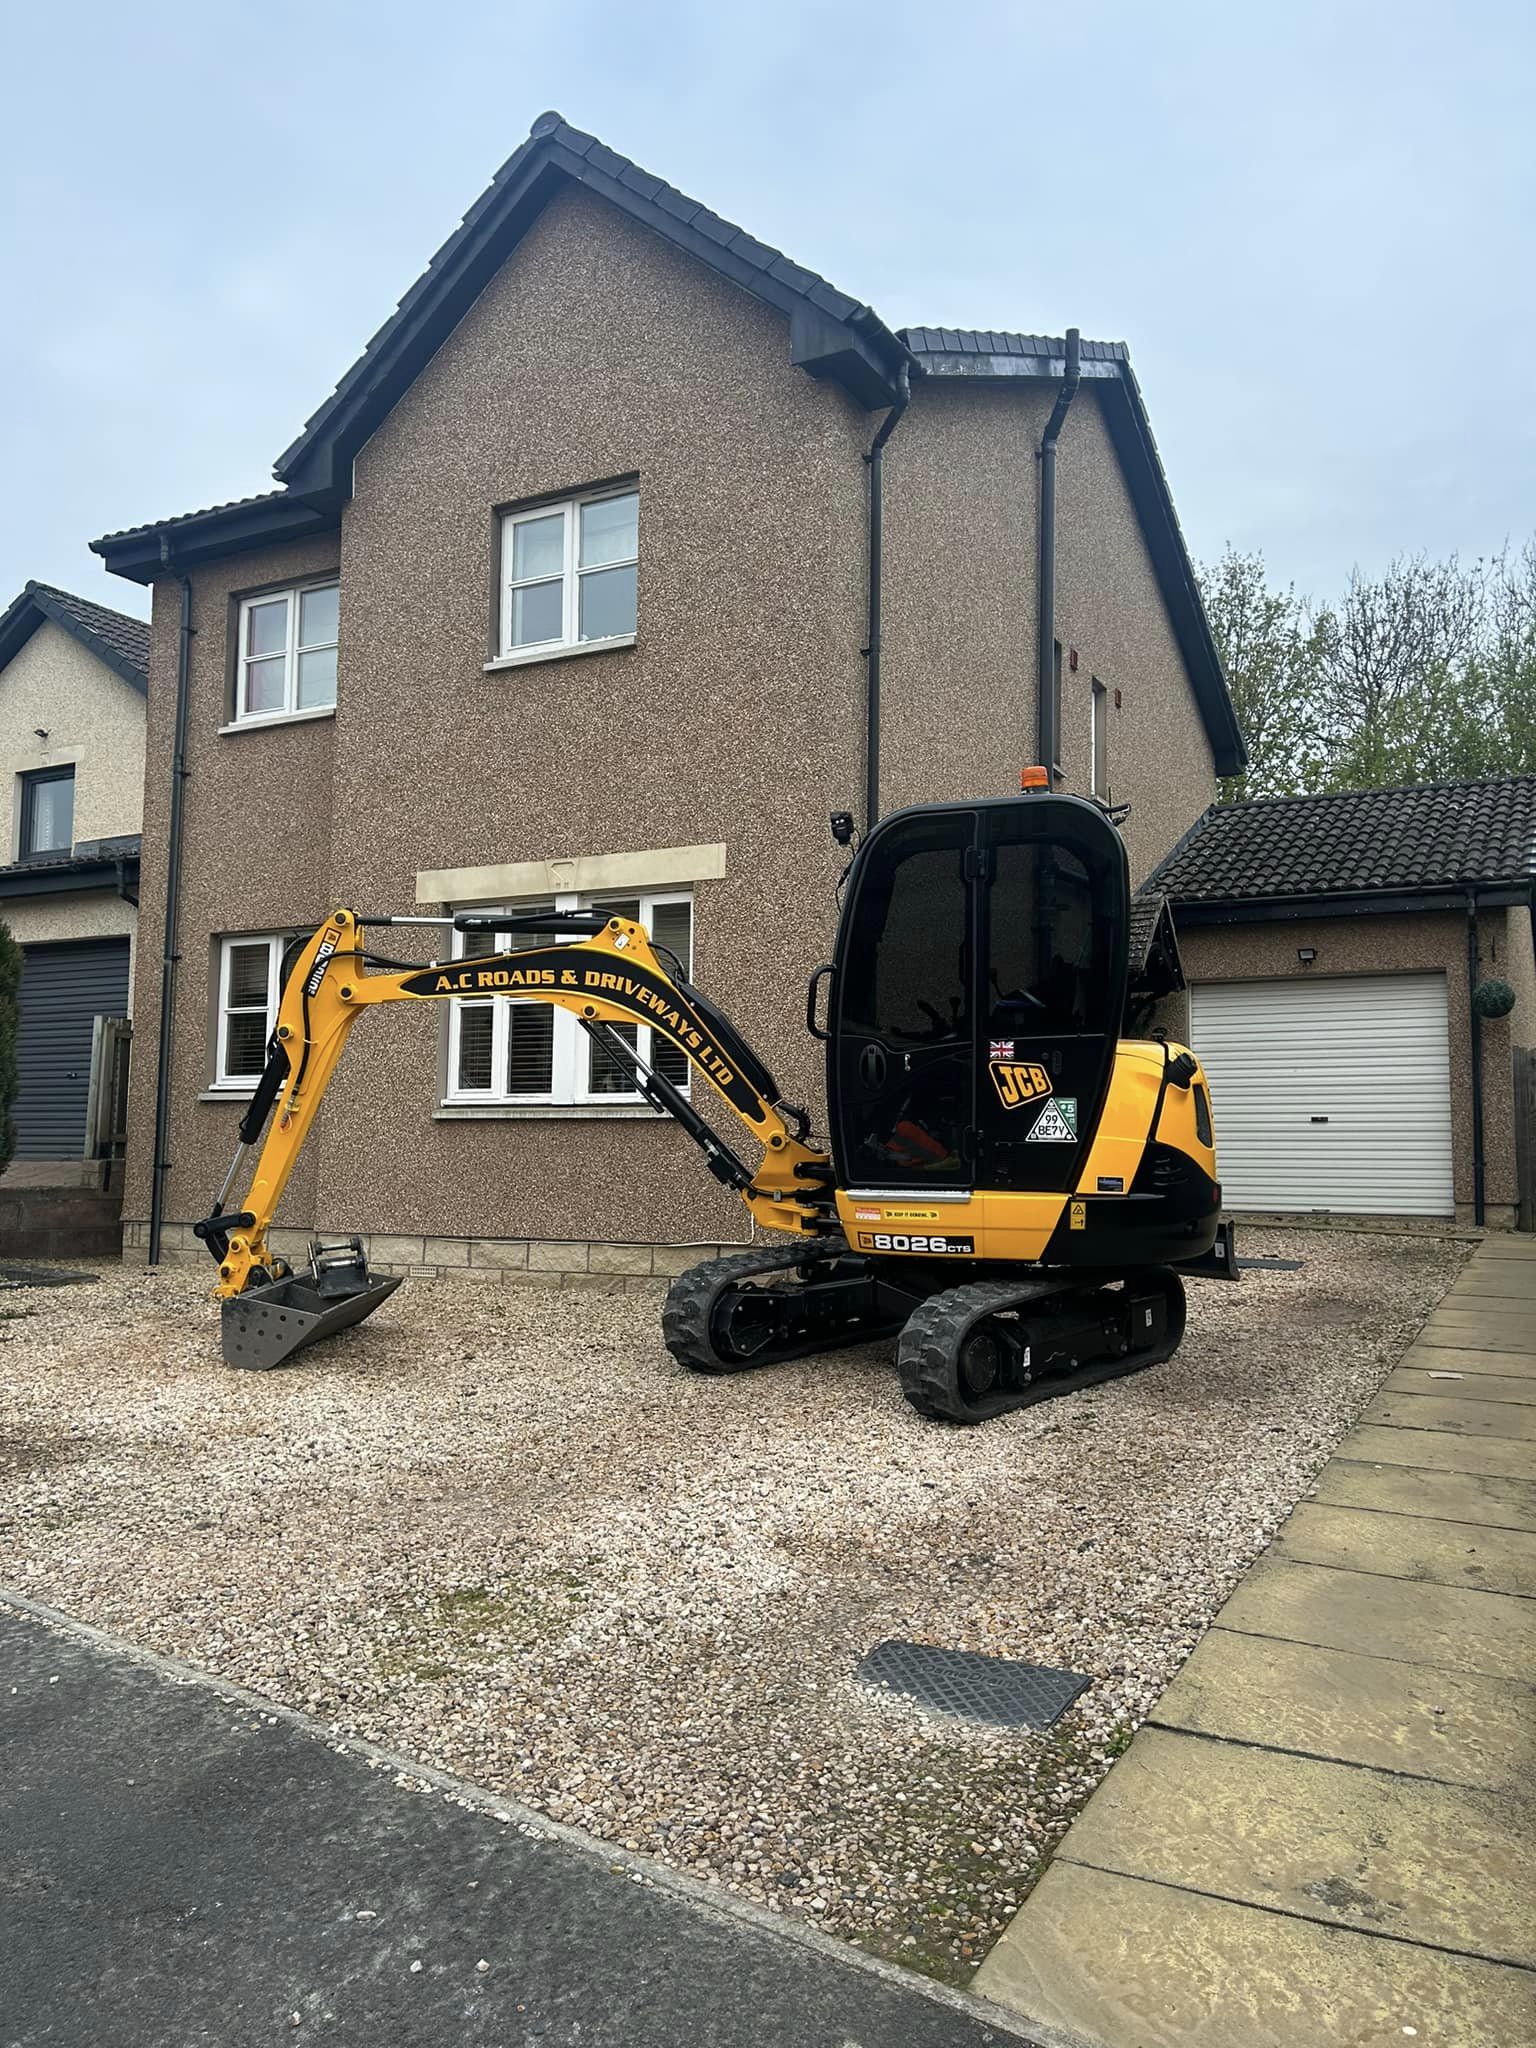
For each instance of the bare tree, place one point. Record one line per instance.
(1386, 657)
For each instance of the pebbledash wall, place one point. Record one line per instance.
(1404, 943)
(94, 722)
(721, 739)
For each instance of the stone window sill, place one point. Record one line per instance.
(279, 718)
(226, 1094)
(525, 657)
(478, 1112)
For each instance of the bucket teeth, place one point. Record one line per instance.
(265, 1326)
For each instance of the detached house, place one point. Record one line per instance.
(568, 594)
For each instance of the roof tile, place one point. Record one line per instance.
(1434, 835)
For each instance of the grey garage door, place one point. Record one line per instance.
(1330, 1093)
(64, 989)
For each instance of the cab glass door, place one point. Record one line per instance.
(1053, 940)
(903, 1055)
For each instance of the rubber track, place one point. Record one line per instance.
(927, 1355)
(689, 1312)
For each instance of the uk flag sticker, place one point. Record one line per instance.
(1001, 1049)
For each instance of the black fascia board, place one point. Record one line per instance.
(862, 353)
(1131, 436)
(65, 877)
(21, 619)
(1448, 896)
(996, 363)
(205, 536)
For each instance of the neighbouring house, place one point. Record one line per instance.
(566, 596)
(1332, 946)
(73, 681)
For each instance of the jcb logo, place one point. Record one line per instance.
(1019, 1082)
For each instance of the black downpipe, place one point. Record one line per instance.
(172, 955)
(1475, 1026)
(872, 652)
(1050, 739)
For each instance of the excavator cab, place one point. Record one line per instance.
(977, 993)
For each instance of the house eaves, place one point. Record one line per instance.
(986, 356)
(267, 520)
(116, 639)
(91, 864)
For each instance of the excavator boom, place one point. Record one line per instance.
(605, 972)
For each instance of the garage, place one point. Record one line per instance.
(65, 987)
(1330, 1093)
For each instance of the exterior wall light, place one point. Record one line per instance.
(1306, 955)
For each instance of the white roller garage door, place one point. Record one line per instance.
(1330, 1093)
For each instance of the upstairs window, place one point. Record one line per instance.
(47, 812)
(506, 1052)
(1098, 740)
(250, 980)
(569, 575)
(287, 660)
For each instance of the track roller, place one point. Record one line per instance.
(761, 1308)
(970, 1353)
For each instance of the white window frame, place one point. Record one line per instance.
(291, 707)
(570, 1061)
(244, 1084)
(571, 573)
(1098, 738)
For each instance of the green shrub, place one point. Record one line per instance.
(10, 1019)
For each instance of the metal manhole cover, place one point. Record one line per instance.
(1002, 1690)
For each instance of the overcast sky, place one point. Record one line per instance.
(1311, 222)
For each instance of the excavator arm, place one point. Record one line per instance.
(603, 970)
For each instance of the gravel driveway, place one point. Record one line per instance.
(501, 1531)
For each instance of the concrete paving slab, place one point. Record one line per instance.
(1513, 1278)
(1410, 1547)
(1440, 1451)
(1441, 1864)
(1442, 1380)
(1335, 1704)
(1477, 1331)
(179, 1866)
(1501, 1310)
(1449, 1358)
(1507, 1244)
(1488, 1634)
(1443, 1496)
(1464, 1418)
(1115, 1960)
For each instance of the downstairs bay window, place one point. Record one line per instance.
(507, 1053)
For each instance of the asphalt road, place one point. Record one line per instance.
(178, 1868)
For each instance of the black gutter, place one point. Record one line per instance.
(64, 878)
(876, 461)
(171, 956)
(1355, 903)
(1050, 739)
(1475, 1026)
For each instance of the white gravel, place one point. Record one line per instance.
(500, 1531)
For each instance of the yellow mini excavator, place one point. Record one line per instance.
(1010, 1187)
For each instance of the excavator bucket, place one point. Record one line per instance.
(265, 1326)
